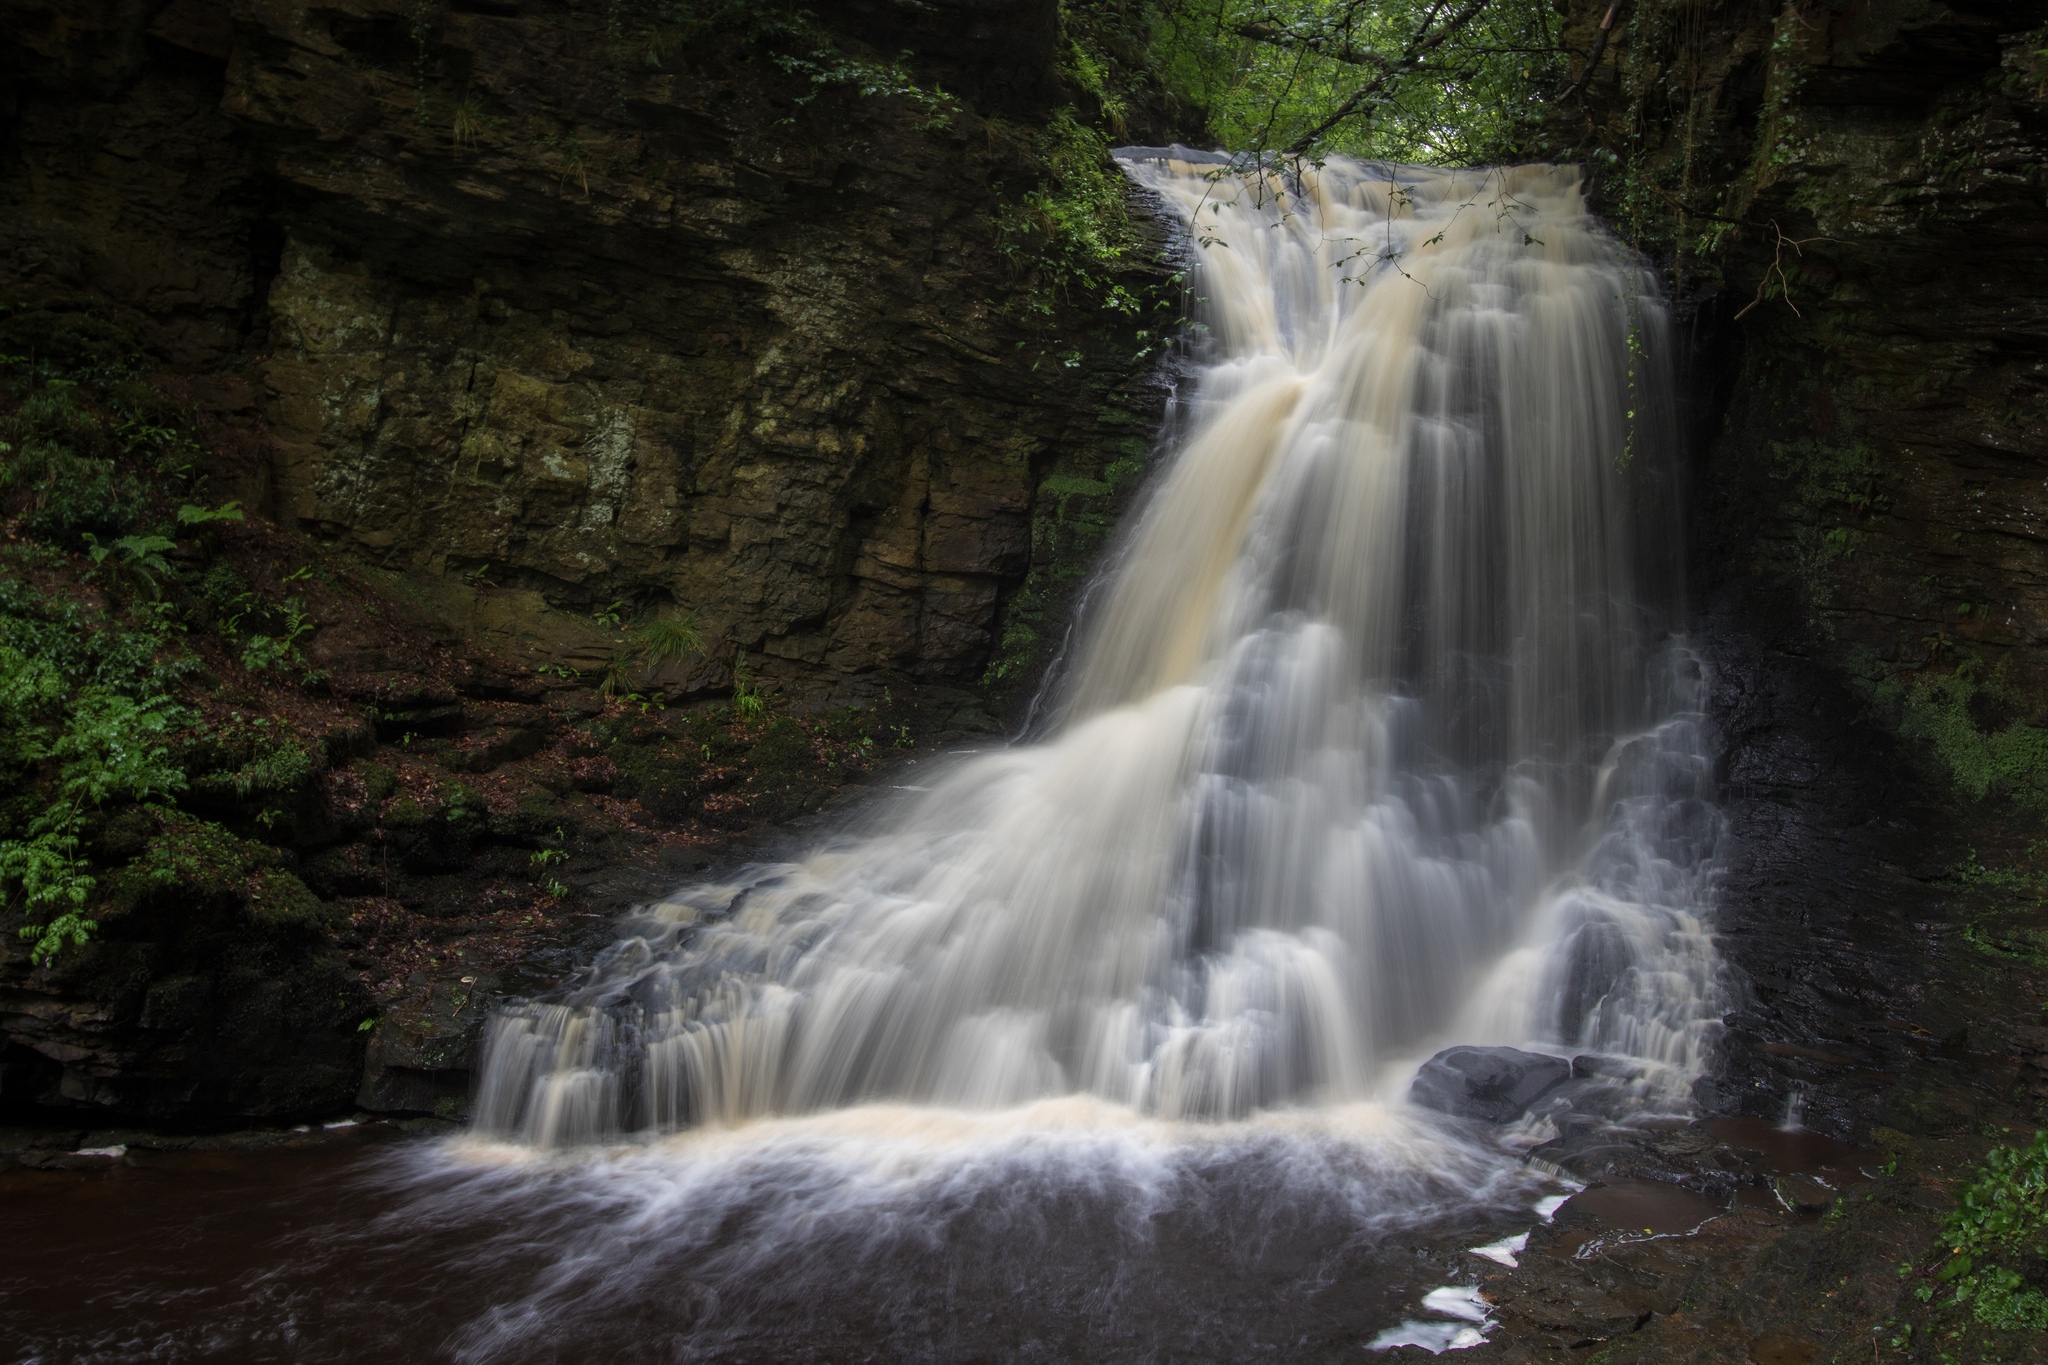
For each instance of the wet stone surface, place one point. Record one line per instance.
(1860, 1010)
(1493, 1084)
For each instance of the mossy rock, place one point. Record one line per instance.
(379, 782)
(187, 858)
(671, 780)
(537, 819)
(405, 815)
(789, 779)
(279, 900)
(80, 342)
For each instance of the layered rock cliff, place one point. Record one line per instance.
(1852, 201)
(522, 324)
(600, 305)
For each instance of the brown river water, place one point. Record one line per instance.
(1045, 1244)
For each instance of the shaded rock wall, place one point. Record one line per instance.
(592, 304)
(1853, 201)
(538, 318)
(1851, 204)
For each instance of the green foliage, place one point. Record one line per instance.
(137, 561)
(191, 514)
(85, 694)
(749, 703)
(1958, 715)
(92, 745)
(92, 738)
(54, 887)
(1998, 1240)
(268, 632)
(115, 746)
(1398, 80)
(253, 756)
(793, 38)
(139, 656)
(59, 462)
(670, 639)
(1073, 228)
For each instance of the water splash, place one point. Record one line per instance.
(1377, 736)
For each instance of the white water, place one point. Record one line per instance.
(1375, 741)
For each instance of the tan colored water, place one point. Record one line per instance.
(1376, 739)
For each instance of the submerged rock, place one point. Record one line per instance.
(1496, 1084)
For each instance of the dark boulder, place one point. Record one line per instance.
(1496, 1084)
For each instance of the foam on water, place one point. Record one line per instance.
(1379, 736)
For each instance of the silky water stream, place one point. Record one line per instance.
(1377, 737)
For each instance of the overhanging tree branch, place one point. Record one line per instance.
(1593, 57)
(1425, 41)
(1280, 37)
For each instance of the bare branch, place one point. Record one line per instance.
(1421, 45)
(1280, 37)
(1593, 57)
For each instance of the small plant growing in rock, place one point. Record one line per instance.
(670, 639)
(748, 702)
(543, 860)
(466, 122)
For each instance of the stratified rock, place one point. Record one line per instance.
(1496, 1084)
(553, 313)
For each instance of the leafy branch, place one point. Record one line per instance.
(1424, 41)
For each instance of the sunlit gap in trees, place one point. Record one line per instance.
(1429, 82)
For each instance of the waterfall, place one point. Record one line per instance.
(1378, 737)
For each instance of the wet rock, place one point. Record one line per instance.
(1496, 1084)
(1805, 1192)
(422, 1048)
(1783, 1348)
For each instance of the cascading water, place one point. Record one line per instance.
(1376, 738)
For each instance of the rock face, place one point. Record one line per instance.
(554, 307)
(550, 318)
(1850, 204)
(1495, 1084)
(1851, 201)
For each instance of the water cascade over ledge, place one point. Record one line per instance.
(1377, 736)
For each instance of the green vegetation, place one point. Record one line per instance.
(1070, 231)
(1998, 1241)
(796, 40)
(1073, 518)
(88, 722)
(1962, 716)
(99, 746)
(111, 568)
(670, 639)
(749, 703)
(1437, 84)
